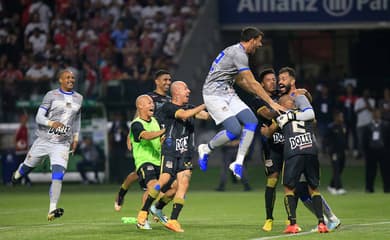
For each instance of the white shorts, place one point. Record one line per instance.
(57, 152)
(223, 107)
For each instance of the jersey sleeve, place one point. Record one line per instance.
(47, 100)
(136, 129)
(257, 104)
(170, 110)
(241, 61)
(77, 121)
(302, 103)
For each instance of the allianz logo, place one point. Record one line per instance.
(335, 8)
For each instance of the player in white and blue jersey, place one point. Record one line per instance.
(58, 120)
(225, 107)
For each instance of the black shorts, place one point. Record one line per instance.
(173, 165)
(298, 164)
(147, 172)
(274, 163)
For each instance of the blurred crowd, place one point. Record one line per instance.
(113, 46)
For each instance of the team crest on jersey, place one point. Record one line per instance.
(169, 164)
(302, 141)
(277, 138)
(182, 144)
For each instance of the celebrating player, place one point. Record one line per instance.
(58, 120)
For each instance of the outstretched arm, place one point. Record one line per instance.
(247, 81)
(184, 114)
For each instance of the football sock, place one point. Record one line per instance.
(290, 203)
(163, 201)
(269, 201)
(55, 192)
(178, 204)
(23, 170)
(219, 139)
(122, 191)
(309, 205)
(327, 210)
(245, 142)
(317, 204)
(153, 194)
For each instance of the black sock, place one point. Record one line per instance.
(149, 201)
(269, 201)
(317, 205)
(290, 203)
(178, 204)
(122, 192)
(163, 202)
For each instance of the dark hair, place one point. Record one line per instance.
(265, 72)
(288, 70)
(249, 33)
(160, 72)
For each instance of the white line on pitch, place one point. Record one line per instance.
(306, 233)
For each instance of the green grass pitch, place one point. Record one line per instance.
(234, 214)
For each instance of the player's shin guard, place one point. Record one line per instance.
(56, 185)
(220, 139)
(290, 203)
(153, 194)
(22, 171)
(327, 210)
(246, 139)
(270, 195)
(178, 204)
(163, 202)
(317, 204)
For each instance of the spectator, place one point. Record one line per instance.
(377, 153)
(384, 105)
(90, 76)
(335, 140)
(120, 35)
(348, 104)
(92, 157)
(172, 42)
(37, 41)
(323, 106)
(9, 79)
(44, 12)
(363, 109)
(119, 165)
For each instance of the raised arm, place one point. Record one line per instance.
(247, 81)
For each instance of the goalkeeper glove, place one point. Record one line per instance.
(291, 116)
(282, 120)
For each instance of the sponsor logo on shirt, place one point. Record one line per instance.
(278, 138)
(182, 144)
(59, 131)
(302, 141)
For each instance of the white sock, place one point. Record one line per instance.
(52, 207)
(240, 159)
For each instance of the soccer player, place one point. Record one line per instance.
(287, 81)
(162, 79)
(301, 157)
(231, 66)
(177, 151)
(145, 135)
(273, 149)
(58, 120)
(272, 145)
